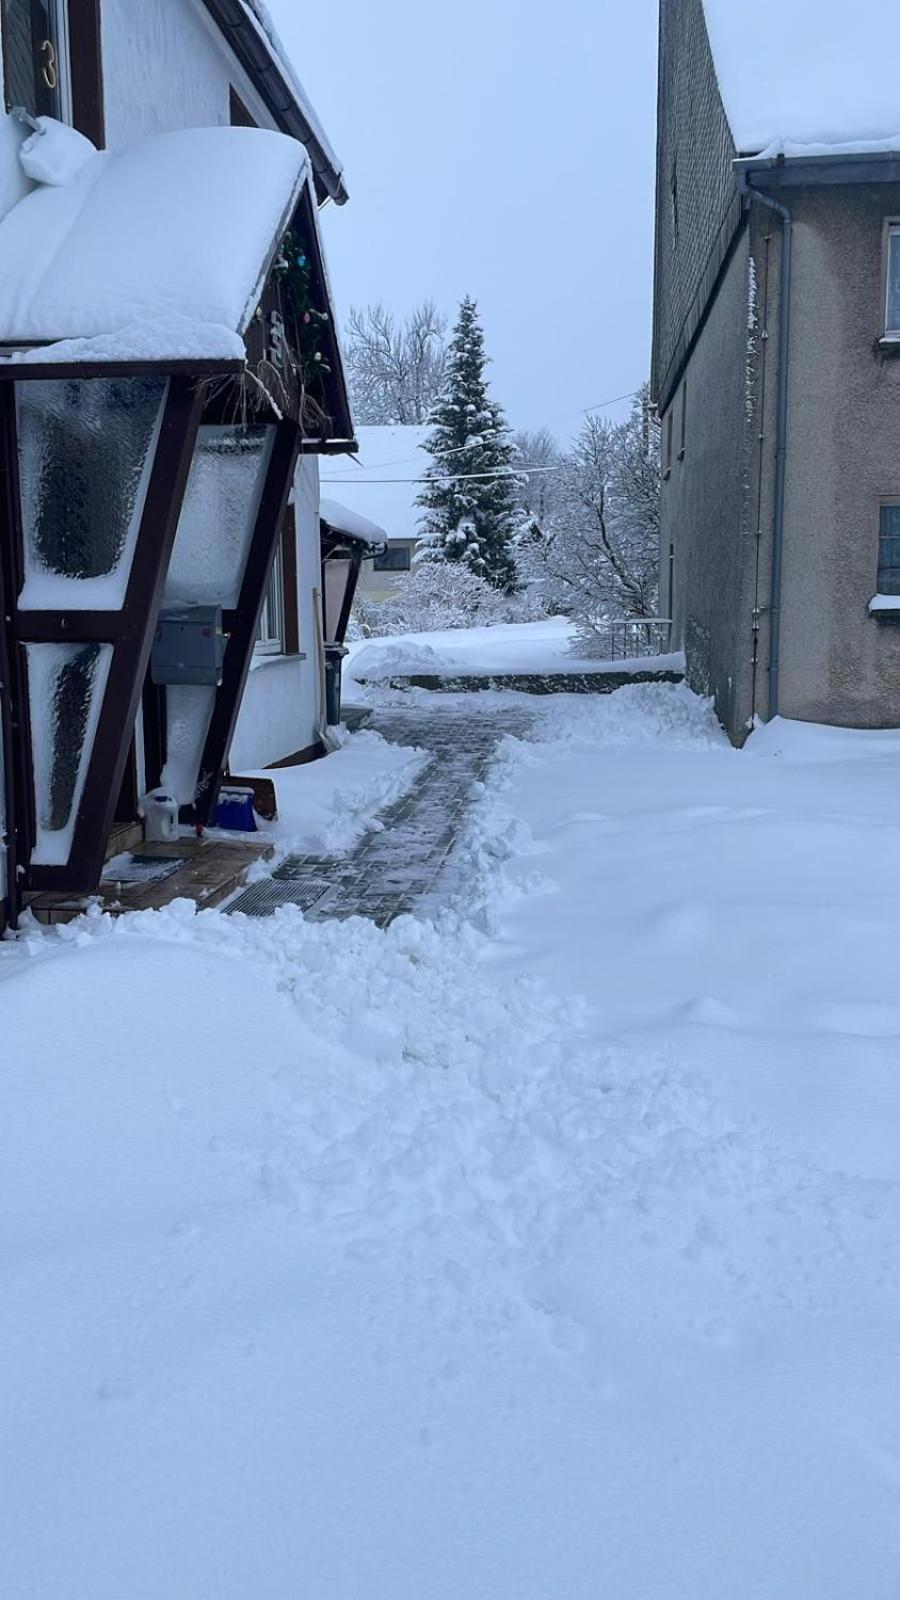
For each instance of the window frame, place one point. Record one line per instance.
(891, 233)
(270, 623)
(886, 502)
(59, 14)
(396, 550)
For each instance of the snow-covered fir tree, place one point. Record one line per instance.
(469, 500)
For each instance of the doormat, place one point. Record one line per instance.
(129, 868)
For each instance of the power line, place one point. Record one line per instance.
(450, 477)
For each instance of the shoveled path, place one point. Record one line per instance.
(402, 864)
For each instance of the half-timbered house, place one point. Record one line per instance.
(169, 375)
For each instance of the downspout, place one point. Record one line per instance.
(784, 330)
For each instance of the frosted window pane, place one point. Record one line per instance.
(86, 449)
(189, 708)
(65, 689)
(336, 577)
(220, 507)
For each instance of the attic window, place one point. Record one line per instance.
(892, 283)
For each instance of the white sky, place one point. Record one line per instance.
(503, 148)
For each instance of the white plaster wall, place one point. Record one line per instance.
(281, 709)
(165, 66)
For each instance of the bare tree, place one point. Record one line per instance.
(599, 554)
(396, 369)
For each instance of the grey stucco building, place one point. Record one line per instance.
(776, 371)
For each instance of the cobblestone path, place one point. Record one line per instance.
(402, 865)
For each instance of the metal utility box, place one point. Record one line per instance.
(189, 646)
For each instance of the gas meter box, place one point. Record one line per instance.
(189, 646)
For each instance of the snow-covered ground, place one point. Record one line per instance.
(325, 806)
(550, 1251)
(505, 647)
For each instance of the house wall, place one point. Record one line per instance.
(837, 663)
(282, 710)
(171, 51)
(706, 510)
(383, 585)
(697, 208)
(185, 72)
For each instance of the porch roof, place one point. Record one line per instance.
(155, 253)
(349, 526)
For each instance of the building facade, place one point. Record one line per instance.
(775, 376)
(190, 337)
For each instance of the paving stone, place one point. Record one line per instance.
(403, 865)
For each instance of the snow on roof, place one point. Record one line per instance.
(343, 520)
(172, 235)
(261, 19)
(805, 72)
(370, 488)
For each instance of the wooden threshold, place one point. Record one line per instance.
(213, 869)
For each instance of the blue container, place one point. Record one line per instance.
(235, 811)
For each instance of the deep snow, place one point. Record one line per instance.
(549, 1251)
(547, 646)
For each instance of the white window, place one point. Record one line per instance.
(270, 630)
(892, 282)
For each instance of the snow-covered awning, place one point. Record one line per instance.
(156, 252)
(343, 526)
(804, 78)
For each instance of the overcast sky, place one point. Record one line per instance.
(502, 148)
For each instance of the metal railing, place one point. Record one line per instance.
(634, 636)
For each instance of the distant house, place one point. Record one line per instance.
(383, 488)
(169, 378)
(775, 357)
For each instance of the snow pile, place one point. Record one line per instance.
(376, 661)
(802, 74)
(173, 234)
(504, 647)
(559, 1261)
(325, 806)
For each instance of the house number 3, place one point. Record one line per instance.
(48, 64)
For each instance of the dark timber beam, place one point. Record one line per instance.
(242, 622)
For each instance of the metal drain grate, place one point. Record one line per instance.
(262, 898)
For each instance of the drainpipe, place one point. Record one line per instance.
(784, 328)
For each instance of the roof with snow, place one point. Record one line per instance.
(805, 73)
(340, 519)
(156, 252)
(251, 34)
(379, 487)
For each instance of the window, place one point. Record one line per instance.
(683, 420)
(670, 425)
(35, 57)
(889, 549)
(396, 558)
(892, 282)
(270, 628)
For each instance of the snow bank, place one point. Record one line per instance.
(559, 1261)
(505, 647)
(804, 72)
(325, 806)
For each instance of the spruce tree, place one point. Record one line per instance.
(470, 497)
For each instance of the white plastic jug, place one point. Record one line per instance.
(159, 810)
